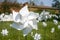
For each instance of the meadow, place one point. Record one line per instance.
(45, 32)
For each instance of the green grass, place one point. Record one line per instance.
(18, 35)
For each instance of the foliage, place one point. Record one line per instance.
(5, 6)
(56, 4)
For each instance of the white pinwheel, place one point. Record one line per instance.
(17, 21)
(24, 20)
(44, 15)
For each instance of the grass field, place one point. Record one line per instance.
(18, 35)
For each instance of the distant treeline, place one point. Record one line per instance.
(6, 5)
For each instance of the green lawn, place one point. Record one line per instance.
(18, 35)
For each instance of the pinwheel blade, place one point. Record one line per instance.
(24, 11)
(16, 16)
(17, 26)
(27, 30)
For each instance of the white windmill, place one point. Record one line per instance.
(23, 20)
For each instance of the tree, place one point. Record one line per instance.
(56, 4)
(31, 2)
(7, 4)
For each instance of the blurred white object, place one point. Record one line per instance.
(55, 22)
(31, 33)
(16, 16)
(6, 17)
(2, 16)
(4, 32)
(55, 16)
(52, 30)
(11, 17)
(50, 16)
(44, 16)
(36, 16)
(37, 36)
(44, 24)
(24, 20)
(58, 26)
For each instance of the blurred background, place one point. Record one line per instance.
(52, 6)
